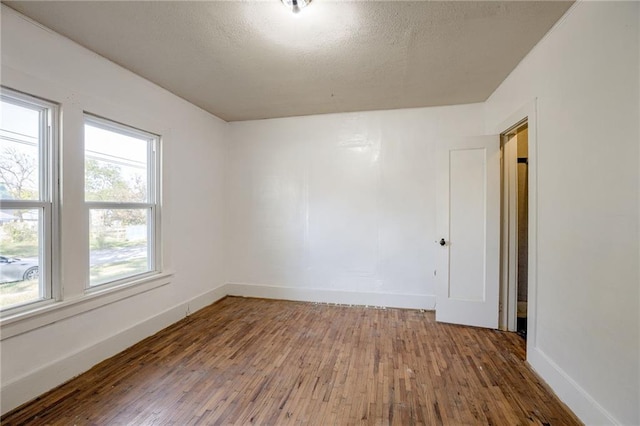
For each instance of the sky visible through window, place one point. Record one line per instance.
(117, 162)
(19, 153)
(19, 120)
(115, 148)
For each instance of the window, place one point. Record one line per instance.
(28, 199)
(121, 194)
(100, 235)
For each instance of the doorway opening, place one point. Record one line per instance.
(514, 286)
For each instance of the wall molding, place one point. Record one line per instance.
(568, 391)
(389, 300)
(45, 378)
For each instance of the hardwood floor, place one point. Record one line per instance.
(254, 361)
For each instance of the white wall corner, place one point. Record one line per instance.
(571, 393)
(388, 300)
(35, 383)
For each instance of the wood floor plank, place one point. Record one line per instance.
(255, 361)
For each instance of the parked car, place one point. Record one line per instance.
(14, 269)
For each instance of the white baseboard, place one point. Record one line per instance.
(35, 383)
(577, 399)
(389, 300)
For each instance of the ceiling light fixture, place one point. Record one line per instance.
(296, 5)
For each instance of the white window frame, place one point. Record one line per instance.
(48, 203)
(152, 204)
(68, 257)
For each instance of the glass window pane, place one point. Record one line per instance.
(119, 245)
(19, 257)
(19, 152)
(115, 166)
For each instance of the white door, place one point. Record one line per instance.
(468, 224)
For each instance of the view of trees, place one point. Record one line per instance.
(103, 182)
(18, 174)
(18, 181)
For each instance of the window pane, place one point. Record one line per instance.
(19, 256)
(119, 246)
(115, 166)
(19, 152)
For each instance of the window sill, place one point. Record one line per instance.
(23, 322)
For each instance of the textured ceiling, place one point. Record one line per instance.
(251, 60)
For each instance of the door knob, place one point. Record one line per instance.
(442, 242)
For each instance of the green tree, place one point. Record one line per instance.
(105, 182)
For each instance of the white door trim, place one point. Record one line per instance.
(529, 112)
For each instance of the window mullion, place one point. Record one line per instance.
(23, 204)
(117, 206)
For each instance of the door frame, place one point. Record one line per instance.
(509, 228)
(528, 112)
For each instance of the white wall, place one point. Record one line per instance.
(42, 63)
(585, 76)
(339, 207)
